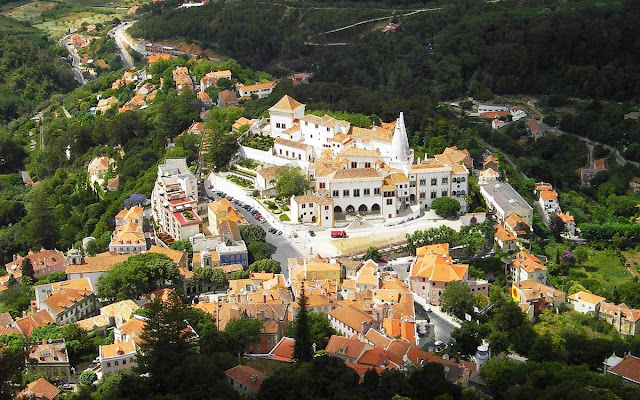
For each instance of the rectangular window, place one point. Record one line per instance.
(433, 195)
(328, 129)
(306, 123)
(284, 126)
(367, 192)
(310, 205)
(336, 193)
(423, 195)
(445, 180)
(326, 208)
(354, 164)
(304, 205)
(367, 165)
(389, 202)
(356, 192)
(444, 193)
(316, 126)
(345, 193)
(423, 182)
(322, 185)
(376, 191)
(277, 124)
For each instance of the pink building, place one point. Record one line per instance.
(433, 270)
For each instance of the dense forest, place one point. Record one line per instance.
(32, 68)
(470, 47)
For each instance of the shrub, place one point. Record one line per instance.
(285, 217)
(277, 212)
(285, 208)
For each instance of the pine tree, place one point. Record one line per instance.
(303, 350)
(27, 268)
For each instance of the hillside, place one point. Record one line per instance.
(31, 70)
(505, 47)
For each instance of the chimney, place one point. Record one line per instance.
(254, 378)
(44, 341)
(264, 297)
(619, 319)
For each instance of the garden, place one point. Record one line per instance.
(264, 143)
(240, 181)
(278, 208)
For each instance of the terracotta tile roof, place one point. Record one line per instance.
(41, 260)
(533, 126)
(228, 96)
(9, 330)
(30, 322)
(514, 219)
(599, 164)
(242, 121)
(355, 173)
(5, 319)
(629, 368)
(586, 297)
(292, 144)
(246, 376)
(117, 349)
(352, 317)
(268, 173)
(377, 338)
(548, 195)
(493, 114)
(540, 288)
(397, 350)
(258, 86)
(374, 357)
(376, 133)
(228, 227)
(489, 173)
(65, 298)
(490, 159)
(504, 235)
(436, 266)
(222, 205)
(283, 351)
(97, 322)
(53, 351)
(286, 104)
(133, 328)
(355, 152)
(121, 309)
(567, 219)
(627, 313)
(528, 262)
(102, 262)
(361, 369)
(342, 346)
(40, 389)
(175, 255)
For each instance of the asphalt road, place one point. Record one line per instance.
(75, 59)
(282, 250)
(118, 35)
(443, 328)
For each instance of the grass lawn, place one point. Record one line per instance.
(575, 322)
(30, 11)
(352, 245)
(605, 267)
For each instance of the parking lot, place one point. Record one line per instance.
(281, 248)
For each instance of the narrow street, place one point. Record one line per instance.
(118, 36)
(281, 247)
(75, 59)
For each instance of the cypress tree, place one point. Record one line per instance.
(303, 350)
(27, 268)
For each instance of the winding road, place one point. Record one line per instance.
(117, 34)
(75, 59)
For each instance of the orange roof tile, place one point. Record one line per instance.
(41, 389)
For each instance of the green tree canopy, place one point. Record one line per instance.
(291, 181)
(205, 276)
(457, 299)
(243, 332)
(445, 206)
(266, 265)
(140, 274)
(321, 330)
(372, 254)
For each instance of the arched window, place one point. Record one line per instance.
(108, 365)
(115, 363)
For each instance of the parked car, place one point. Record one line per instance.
(383, 260)
(292, 235)
(338, 234)
(312, 233)
(273, 230)
(67, 386)
(278, 232)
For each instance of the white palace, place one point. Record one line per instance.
(365, 171)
